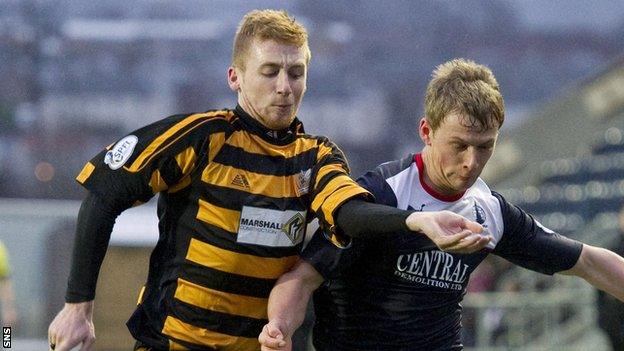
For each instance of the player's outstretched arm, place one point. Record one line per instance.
(73, 326)
(601, 268)
(287, 306)
(449, 231)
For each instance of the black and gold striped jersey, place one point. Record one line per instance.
(234, 200)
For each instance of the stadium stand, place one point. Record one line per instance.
(573, 158)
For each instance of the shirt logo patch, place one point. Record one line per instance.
(119, 154)
(241, 181)
(303, 182)
(410, 208)
(293, 227)
(274, 228)
(479, 215)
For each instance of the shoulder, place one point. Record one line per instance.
(188, 125)
(386, 180)
(393, 168)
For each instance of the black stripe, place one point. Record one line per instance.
(226, 282)
(225, 240)
(217, 321)
(273, 165)
(170, 171)
(234, 199)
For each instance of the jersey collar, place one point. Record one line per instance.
(278, 137)
(421, 174)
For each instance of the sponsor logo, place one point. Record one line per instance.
(294, 227)
(119, 154)
(241, 181)
(267, 227)
(432, 268)
(410, 208)
(480, 215)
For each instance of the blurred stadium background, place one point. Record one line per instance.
(78, 75)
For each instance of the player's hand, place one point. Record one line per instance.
(449, 231)
(271, 338)
(73, 326)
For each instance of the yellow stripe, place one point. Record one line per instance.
(260, 184)
(173, 346)
(156, 146)
(175, 328)
(216, 143)
(141, 293)
(325, 170)
(219, 301)
(330, 187)
(238, 263)
(323, 151)
(157, 183)
(334, 194)
(338, 198)
(85, 173)
(223, 218)
(256, 145)
(186, 160)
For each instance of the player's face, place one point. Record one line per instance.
(455, 153)
(271, 86)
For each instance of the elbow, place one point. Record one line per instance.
(304, 275)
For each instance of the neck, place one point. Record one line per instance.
(242, 102)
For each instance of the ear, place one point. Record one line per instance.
(233, 79)
(425, 132)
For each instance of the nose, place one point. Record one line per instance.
(471, 160)
(283, 84)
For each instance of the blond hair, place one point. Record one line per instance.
(465, 87)
(267, 25)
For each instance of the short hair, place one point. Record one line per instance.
(268, 25)
(466, 87)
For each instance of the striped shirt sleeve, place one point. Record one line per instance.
(332, 186)
(156, 158)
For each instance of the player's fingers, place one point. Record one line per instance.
(87, 344)
(447, 241)
(270, 341)
(472, 226)
(62, 345)
(463, 245)
(471, 244)
(52, 337)
(274, 331)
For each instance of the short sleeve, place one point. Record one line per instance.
(332, 185)
(375, 182)
(327, 258)
(529, 244)
(158, 157)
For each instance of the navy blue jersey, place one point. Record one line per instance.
(401, 292)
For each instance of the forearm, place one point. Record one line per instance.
(360, 219)
(94, 226)
(290, 295)
(602, 268)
